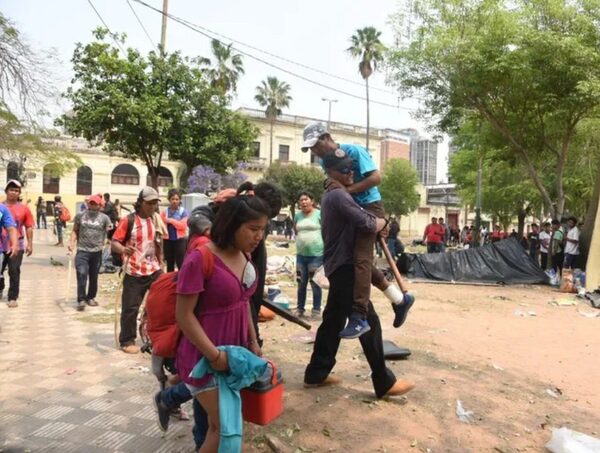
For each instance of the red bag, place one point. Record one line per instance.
(161, 323)
(65, 215)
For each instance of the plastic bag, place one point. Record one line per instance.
(320, 279)
(564, 440)
(553, 277)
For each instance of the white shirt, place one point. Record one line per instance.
(570, 248)
(544, 241)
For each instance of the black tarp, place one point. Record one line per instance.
(505, 261)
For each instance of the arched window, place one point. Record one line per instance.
(125, 174)
(12, 171)
(51, 180)
(84, 181)
(165, 178)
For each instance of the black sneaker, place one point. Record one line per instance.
(401, 311)
(162, 411)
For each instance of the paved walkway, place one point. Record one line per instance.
(63, 385)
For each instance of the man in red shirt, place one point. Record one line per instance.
(24, 220)
(433, 236)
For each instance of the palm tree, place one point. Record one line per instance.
(227, 67)
(274, 95)
(367, 46)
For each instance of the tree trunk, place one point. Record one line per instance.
(588, 226)
(153, 172)
(521, 222)
(368, 118)
(271, 144)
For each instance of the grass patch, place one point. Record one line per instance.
(96, 318)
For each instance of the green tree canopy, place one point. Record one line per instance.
(528, 68)
(398, 187)
(143, 107)
(293, 179)
(368, 48)
(273, 95)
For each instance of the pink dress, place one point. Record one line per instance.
(222, 310)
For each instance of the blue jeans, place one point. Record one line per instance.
(178, 394)
(305, 270)
(87, 266)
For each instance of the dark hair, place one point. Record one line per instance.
(172, 192)
(305, 194)
(555, 222)
(267, 192)
(534, 225)
(107, 196)
(573, 218)
(57, 198)
(546, 224)
(233, 214)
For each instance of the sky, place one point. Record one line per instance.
(310, 32)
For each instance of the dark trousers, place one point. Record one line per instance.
(59, 229)
(87, 265)
(544, 257)
(557, 261)
(174, 253)
(41, 216)
(365, 271)
(134, 290)
(177, 395)
(434, 247)
(14, 274)
(328, 339)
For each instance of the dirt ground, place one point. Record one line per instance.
(519, 363)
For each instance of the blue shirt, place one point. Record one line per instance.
(180, 213)
(6, 221)
(363, 165)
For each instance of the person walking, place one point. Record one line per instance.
(59, 224)
(138, 238)
(175, 217)
(364, 190)
(23, 219)
(342, 218)
(309, 252)
(90, 228)
(40, 213)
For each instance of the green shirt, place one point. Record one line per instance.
(557, 240)
(309, 241)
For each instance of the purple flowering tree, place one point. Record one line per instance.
(236, 177)
(204, 180)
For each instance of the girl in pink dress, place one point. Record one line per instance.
(215, 311)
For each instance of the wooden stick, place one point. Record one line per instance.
(286, 314)
(393, 267)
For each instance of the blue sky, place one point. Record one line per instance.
(313, 33)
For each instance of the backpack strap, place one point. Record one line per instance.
(130, 223)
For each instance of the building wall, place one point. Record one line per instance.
(101, 165)
(423, 156)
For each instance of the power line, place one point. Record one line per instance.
(142, 25)
(106, 26)
(254, 57)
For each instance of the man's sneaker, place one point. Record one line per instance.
(130, 349)
(92, 303)
(315, 314)
(299, 313)
(163, 413)
(400, 387)
(81, 305)
(401, 310)
(355, 328)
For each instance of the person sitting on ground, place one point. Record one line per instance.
(90, 228)
(216, 311)
(365, 192)
(342, 218)
(309, 252)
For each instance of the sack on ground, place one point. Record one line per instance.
(566, 283)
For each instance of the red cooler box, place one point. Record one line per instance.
(262, 402)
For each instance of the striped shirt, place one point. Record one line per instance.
(143, 261)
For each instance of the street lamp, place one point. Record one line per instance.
(330, 101)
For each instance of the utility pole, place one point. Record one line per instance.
(163, 30)
(330, 101)
(478, 204)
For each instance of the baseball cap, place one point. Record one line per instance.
(312, 132)
(149, 194)
(95, 199)
(337, 160)
(12, 183)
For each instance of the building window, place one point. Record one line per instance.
(12, 171)
(51, 182)
(125, 174)
(255, 149)
(165, 178)
(284, 153)
(84, 181)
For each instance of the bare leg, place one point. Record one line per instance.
(210, 402)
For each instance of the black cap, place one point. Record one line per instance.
(337, 160)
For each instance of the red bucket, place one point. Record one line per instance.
(262, 402)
